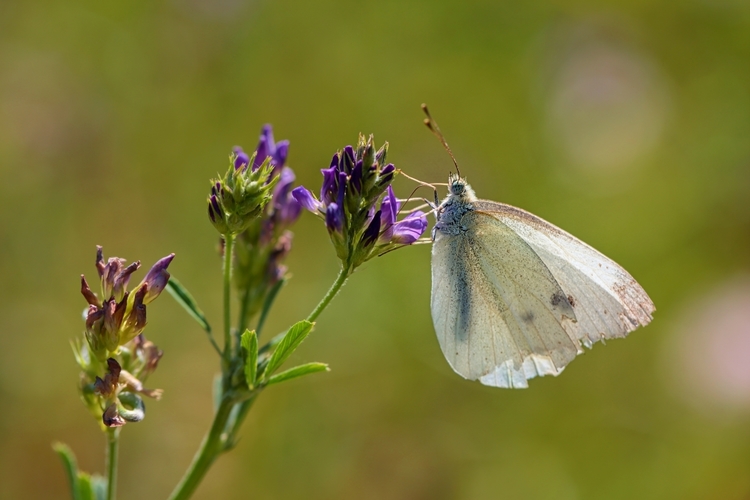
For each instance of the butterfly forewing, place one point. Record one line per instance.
(607, 301)
(514, 297)
(493, 306)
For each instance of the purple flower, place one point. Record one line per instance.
(390, 208)
(285, 206)
(402, 232)
(354, 184)
(410, 229)
(306, 199)
(267, 147)
(330, 178)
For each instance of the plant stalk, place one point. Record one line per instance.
(228, 250)
(113, 445)
(211, 447)
(340, 280)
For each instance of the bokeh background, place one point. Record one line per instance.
(627, 123)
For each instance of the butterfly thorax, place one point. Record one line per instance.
(459, 201)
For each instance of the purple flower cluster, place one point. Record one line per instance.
(263, 246)
(241, 196)
(359, 223)
(284, 208)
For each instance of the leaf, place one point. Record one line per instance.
(298, 371)
(250, 344)
(86, 487)
(183, 297)
(292, 339)
(71, 468)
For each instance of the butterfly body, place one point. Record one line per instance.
(514, 297)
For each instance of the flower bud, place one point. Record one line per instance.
(134, 320)
(121, 280)
(241, 195)
(157, 278)
(88, 294)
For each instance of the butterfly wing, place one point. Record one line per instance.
(493, 307)
(514, 297)
(608, 302)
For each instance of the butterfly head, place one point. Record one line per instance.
(459, 188)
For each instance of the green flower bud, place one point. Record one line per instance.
(241, 196)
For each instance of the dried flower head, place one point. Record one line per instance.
(114, 356)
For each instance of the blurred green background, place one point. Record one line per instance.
(625, 123)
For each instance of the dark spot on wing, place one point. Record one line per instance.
(571, 301)
(528, 316)
(557, 299)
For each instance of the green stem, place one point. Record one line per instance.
(228, 249)
(211, 447)
(212, 444)
(340, 280)
(113, 444)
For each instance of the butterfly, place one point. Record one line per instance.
(515, 297)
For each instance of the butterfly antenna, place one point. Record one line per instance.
(425, 184)
(433, 126)
(432, 206)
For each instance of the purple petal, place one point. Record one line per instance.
(356, 178)
(387, 173)
(347, 161)
(328, 189)
(157, 278)
(289, 210)
(241, 158)
(334, 218)
(390, 207)
(285, 204)
(408, 230)
(306, 199)
(266, 146)
(284, 186)
(342, 189)
(281, 153)
(214, 208)
(373, 230)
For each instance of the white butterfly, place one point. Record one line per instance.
(514, 296)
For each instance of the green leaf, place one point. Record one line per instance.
(250, 344)
(292, 339)
(71, 468)
(86, 487)
(82, 485)
(183, 297)
(298, 371)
